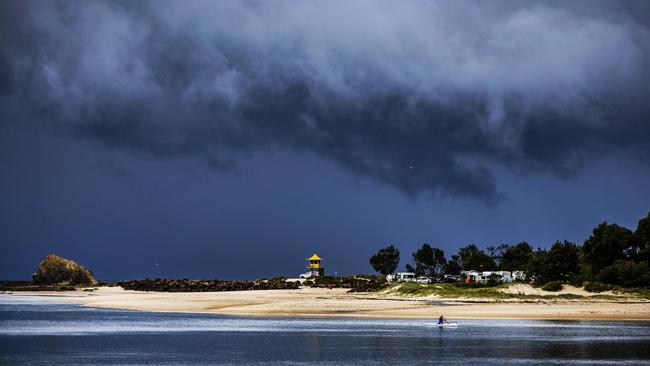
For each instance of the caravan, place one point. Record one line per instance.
(484, 276)
(401, 277)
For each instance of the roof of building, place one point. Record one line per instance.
(314, 258)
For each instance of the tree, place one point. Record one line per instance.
(453, 266)
(563, 261)
(439, 260)
(473, 258)
(626, 273)
(429, 260)
(516, 258)
(606, 244)
(423, 259)
(409, 268)
(560, 263)
(386, 260)
(496, 253)
(537, 268)
(642, 239)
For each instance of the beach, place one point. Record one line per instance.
(321, 302)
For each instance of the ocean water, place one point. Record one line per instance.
(33, 332)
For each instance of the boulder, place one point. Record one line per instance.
(55, 270)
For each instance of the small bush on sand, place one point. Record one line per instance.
(553, 286)
(597, 287)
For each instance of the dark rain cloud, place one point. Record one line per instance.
(426, 96)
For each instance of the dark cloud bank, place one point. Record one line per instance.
(428, 97)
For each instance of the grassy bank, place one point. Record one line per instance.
(474, 291)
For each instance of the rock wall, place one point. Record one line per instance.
(185, 285)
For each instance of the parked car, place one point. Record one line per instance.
(450, 279)
(423, 280)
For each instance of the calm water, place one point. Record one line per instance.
(35, 333)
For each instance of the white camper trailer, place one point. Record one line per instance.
(401, 277)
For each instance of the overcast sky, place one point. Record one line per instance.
(234, 139)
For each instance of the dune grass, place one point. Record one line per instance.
(461, 290)
(446, 290)
(481, 291)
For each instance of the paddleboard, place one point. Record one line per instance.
(447, 325)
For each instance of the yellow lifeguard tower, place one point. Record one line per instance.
(315, 267)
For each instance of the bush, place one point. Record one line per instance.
(597, 287)
(553, 286)
(494, 279)
(309, 283)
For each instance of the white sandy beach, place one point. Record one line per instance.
(337, 302)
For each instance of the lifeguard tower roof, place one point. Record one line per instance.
(314, 258)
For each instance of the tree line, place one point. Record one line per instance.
(612, 254)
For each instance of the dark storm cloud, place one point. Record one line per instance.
(425, 96)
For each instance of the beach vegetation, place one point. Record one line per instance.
(472, 257)
(453, 265)
(641, 250)
(386, 260)
(612, 255)
(513, 257)
(607, 243)
(471, 291)
(553, 286)
(429, 261)
(597, 287)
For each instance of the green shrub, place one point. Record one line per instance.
(626, 273)
(494, 279)
(309, 283)
(597, 287)
(553, 286)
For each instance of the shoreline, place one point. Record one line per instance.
(338, 303)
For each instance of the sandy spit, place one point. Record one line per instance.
(339, 303)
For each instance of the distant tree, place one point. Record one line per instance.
(429, 260)
(642, 239)
(563, 261)
(560, 263)
(386, 260)
(423, 259)
(517, 257)
(626, 273)
(453, 266)
(409, 268)
(496, 253)
(473, 258)
(606, 244)
(537, 268)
